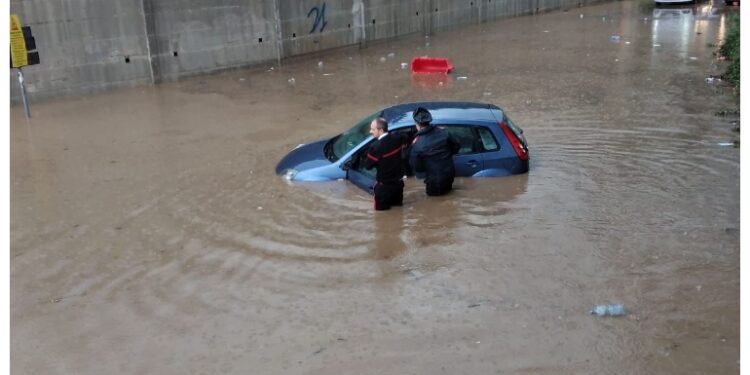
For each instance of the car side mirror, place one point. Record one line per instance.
(347, 165)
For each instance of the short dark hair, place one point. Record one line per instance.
(381, 124)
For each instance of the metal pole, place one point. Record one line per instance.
(23, 93)
(279, 36)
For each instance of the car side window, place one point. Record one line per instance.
(489, 143)
(361, 155)
(408, 132)
(466, 138)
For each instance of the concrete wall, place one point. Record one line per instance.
(195, 36)
(85, 46)
(92, 45)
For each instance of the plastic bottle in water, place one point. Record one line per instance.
(609, 310)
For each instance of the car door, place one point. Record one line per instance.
(468, 161)
(356, 172)
(365, 178)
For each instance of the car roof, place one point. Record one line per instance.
(441, 112)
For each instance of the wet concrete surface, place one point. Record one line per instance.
(149, 233)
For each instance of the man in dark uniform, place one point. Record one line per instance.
(432, 154)
(385, 154)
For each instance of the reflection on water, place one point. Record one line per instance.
(389, 228)
(693, 24)
(684, 14)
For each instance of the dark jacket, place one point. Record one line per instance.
(385, 154)
(432, 154)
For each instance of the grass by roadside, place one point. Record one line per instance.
(731, 50)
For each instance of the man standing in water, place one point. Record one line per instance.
(385, 154)
(432, 154)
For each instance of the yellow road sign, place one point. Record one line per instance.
(17, 43)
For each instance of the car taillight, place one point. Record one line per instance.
(521, 151)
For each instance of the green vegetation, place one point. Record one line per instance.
(727, 112)
(731, 50)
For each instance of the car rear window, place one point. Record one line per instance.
(473, 138)
(488, 140)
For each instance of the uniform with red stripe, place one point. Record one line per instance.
(432, 153)
(385, 154)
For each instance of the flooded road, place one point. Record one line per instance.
(150, 235)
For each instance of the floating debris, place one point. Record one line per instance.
(712, 79)
(615, 38)
(608, 310)
(462, 78)
(728, 144)
(404, 65)
(291, 80)
(391, 55)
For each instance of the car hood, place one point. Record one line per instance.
(304, 157)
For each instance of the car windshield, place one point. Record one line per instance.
(342, 144)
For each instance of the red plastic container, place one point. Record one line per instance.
(426, 64)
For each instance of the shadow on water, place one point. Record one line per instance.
(486, 202)
(389, 228)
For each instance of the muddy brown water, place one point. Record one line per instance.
(149, 234)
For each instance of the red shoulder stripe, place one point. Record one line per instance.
(393, 152)
(369, 156)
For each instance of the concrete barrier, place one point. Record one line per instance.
(88, 46)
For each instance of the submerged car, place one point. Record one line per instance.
(666, 13)
(669, 2)
(491, 144)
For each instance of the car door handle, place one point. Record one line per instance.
(471, 163)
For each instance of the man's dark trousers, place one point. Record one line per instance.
(388, 194)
